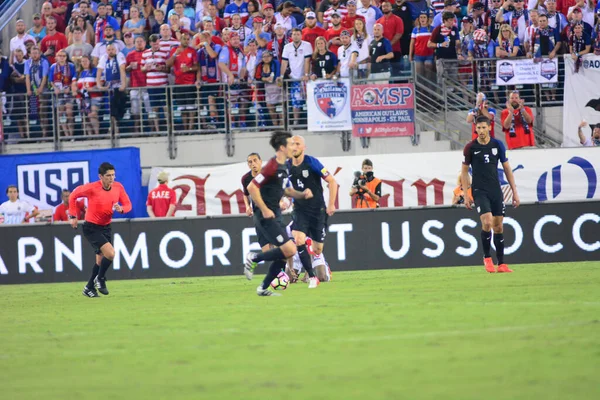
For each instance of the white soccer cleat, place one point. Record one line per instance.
(265, 292)
(313, 282)
(249, 266)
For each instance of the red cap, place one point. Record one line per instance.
(257, 19)
(233, 34)
(268, 5)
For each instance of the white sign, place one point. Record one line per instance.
(409, 180)
(582, 98)
(526, 71)
(328, 105)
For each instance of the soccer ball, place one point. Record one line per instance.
(281, 282)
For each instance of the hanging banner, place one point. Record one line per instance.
(408, 180)
(328, 105)
(526, 71)
(383, 110)
(582, 99)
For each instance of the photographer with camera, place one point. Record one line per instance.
(366, 189)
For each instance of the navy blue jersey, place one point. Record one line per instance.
(272, 181)
(308, 175)
(483, 159)
(246, 179)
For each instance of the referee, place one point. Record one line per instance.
(483, 155)
(104, 197)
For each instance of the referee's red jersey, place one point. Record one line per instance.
(101, 202)
(160, 199)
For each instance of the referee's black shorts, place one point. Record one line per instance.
(97, 235)
(312, 223)
(489, 201)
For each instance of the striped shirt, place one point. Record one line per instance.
(167, 45)
(87, 80)
(529, 34)
(343, 11)
(158, 58)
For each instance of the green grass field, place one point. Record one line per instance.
(445, 333)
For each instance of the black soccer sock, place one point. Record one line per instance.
(306, 260)
(104, 266)
(499, 243)
(486, 241)
(276, 267)
(270, 255)
(95, 270)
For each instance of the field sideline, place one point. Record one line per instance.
(441, 333)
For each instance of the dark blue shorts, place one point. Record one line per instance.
(311, 223)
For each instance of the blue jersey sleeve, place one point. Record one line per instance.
(317, 167)
(52, 69)
(388, 46)
(501, 152)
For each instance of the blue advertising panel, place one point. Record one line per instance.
(41, 177)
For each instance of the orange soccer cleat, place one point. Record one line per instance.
(489, 265)
(504, 268)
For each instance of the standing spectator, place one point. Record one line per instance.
(16, 211)
(184, 21)
(78, 48)
(239, 7)
(18, 42)
(324, 62)
(480, 17)
(167, 42)
(446, 40)
(346, 53)
(208, 75)
(556, 20)
(381, 53)
(88, 96)
(370, 13)
(586, 9)
(101, 47)
(481, 108)
(102, 21)
(134, 24)
(438, 6)
(218, 23)
(157, 22)
(262, 38)
(271, 95)
(154, 64)
(61, 76)
(242, 30)
(129, 44)
(530, 32)
(465, 68)
(53, 41)
(36, 80)
(420, 53)
(48, 12)
(297, 56)
(561, 5)
(579, 45)
(85, 11)
(269, 20)
(393, 29)
(403, 10)
(481, 48)
(494, 24)
(333, 33)
(361, 42)
(19, 90)
(137, 79)
(592, 141)
(285, 18)
(596, 35)
(449, 6)
(61, 212)
(208, 23)
(546, 41)
(335, 7)
(508, 45)
(278, 42)
(86, 28)
(518, 18)
(38, 31)
(162, 200)
(111, 72)
(517, 123)
(232, 64)
(311, 30)
(348, 21)
(184, 62)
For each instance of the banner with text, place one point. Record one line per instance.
(526, 71)
(411, 179)
(383, 110)
(582, 99)
(380, 239)
(328, 105)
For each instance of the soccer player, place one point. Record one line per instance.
(255, 164)
(266, 190)
(162, 199)
(483, 154)
(310, 215)
(104, 197)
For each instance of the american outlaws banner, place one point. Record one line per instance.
(582, 98)
(526, 71)
(409, 180)
(328, 105)
(383, 110)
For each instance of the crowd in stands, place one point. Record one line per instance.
(117, 58)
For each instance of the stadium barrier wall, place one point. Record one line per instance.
(356, 240)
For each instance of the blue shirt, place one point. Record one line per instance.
(42, 71)
(263, 35)
(38, 36)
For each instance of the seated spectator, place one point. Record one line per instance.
(508, 45)
(324, 62)
(517, 123)
(591, 141)
(86, 29)
(102, 21)
(419, 52)
(134, 24)
(481, 108)
(88, 95)
(38, 31)
(184, 62)
(61, 76)
(109, 38)
(53, 41)
(580, 45)
(270, 95)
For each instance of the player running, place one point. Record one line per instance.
(255, 164)
(104, 197)
(483, 154)
(266, 189)
(310, 216)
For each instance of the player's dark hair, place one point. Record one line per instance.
(447, 15)
(105, 167)
(279, 138)
(15, 186)
(254, 154)
(482, 119)
(367, 162)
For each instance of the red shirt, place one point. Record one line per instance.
(348, 21)
(161, 199)
(60, 22)
(101, 202)
(186, 58)
(58, 41)
(137, 77)
(311, 34)
(392, 25)
(332, 34)
(62, 212)
(521, 139)
(562, 6)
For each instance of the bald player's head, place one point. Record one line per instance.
(299, 146)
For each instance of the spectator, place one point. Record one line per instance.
(576, 16)
(18, 42)
(242, 30)
(438, 6)
(333, 33)
(88, 95)
(36, 81)
(157, 22)
(458, 196)
(393, 29)
(167, 42)
(154, 64)
(346, 54)
(561, 5)
(370, 13)
(48, 12)
(335, 7)
(16, 211)
(208, 23)
(102, 21)
(508, 45)
(481, 108)
(556, 20)
(271, 96)
(348, 21)
(184, 62)
(596, 35)
(38, 31)
(61, 212)
(517, 123)
(494, 24)
(85, 11)
(311, 31)
(162, 200)
(285, 18)
(530, 32)
(262, 38)
(404, 10)
(137, 79)
(278, 43)
(111, 76)
(100, 49)
(135, 24)
(381, 53)
(208, 75)
(480, 17)
(324, 62)
(591, 141)
(176, 28)
(61, 75)
(446, 40)
(580, 45)
(19, 90)
(129, 44)
(361, 42)
(586, 9)
(269, 20)
(465, 68)
(251, 58)
(232, 64)
(297, 56)
(184, 21)
(481, 48)
(218, 23)
(78, 48)
(518, 18)
(419, 52)
(449, 6)
(86, 28)
(239, 7)
(546, 41)
(201, 11)
(53, 41)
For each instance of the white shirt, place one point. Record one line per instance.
(285, 21)
(100, 48)
(296, 57)
(344, 56)
(14, 213)
(19, 43)
(370, 18)
(587, 12)
(522, 24)
(363, 52)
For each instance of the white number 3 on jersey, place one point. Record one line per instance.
(487, 158)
